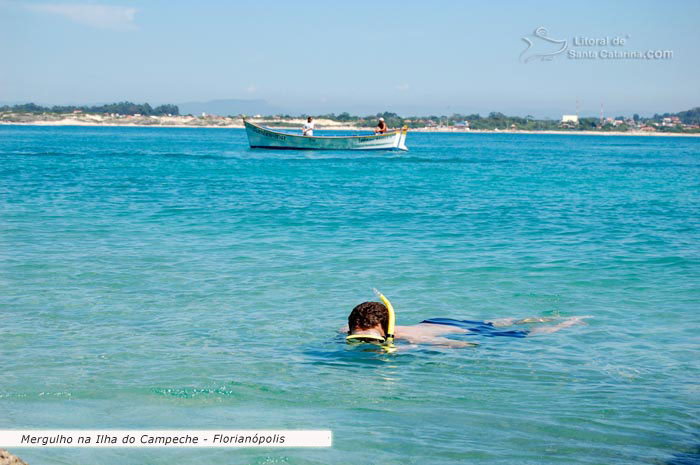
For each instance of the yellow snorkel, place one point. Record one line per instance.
(392, 318)
(386, 342)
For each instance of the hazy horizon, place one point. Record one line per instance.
(209, 107)
(407, 58)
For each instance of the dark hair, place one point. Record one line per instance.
(309, 119)
(368, 315)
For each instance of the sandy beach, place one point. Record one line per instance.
(283, 124)
(561, 133)
(185, 121)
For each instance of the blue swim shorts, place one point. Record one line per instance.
(482, 328)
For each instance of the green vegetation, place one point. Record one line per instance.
(691, 116)
(121, 108)
(494, 121)
(499, 121)
(684, 121)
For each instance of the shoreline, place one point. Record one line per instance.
(340, 127)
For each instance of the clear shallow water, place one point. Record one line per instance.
(173, 278)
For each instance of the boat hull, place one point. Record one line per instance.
(259, 137)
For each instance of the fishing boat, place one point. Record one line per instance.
(260, 137)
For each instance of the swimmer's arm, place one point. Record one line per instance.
(574, 320)
(444, 342)
(438, 341)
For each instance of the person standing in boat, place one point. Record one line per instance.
(381, 127)
(308, 129)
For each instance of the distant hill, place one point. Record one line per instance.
(229, 107)
(691, 116)
(122, 108)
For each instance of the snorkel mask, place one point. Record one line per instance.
(388, 341)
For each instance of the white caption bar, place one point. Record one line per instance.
(165, 438)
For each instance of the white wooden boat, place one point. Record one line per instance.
(260, 137)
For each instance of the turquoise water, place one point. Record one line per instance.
(173, 278)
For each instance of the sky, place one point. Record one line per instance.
(408, 57)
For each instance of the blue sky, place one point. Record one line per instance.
(362, 57)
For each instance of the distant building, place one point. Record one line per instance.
(569, 119)
(648, 129)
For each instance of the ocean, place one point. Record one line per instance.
(156, 278)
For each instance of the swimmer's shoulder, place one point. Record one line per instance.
(427, 329)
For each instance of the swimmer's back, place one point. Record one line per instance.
(476, 327)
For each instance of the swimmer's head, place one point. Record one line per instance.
(369, 315)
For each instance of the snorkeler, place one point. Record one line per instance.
(374, 322)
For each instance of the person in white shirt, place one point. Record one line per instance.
(308, 129)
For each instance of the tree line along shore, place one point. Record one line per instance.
(131, 114)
